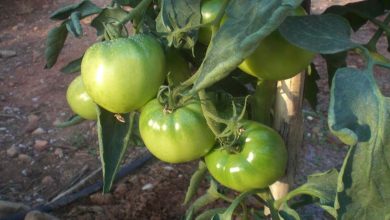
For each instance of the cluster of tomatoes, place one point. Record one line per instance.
(125, 74)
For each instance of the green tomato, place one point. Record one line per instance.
(176, 136)
(177, 67)
(274, 59)
(79, 100)
(261, 161)
(122, 75)
(209, 10)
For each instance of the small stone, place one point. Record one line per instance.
(3, 129)
(12, 151)
(26, 172)
(8, 208)
(59, 152)
(7, 53)
(147, 186)
(32, 123)
(35, 99)
(24, 158)
(120, 189)
(37, 215)
(47, 180)
(310, 118)
(40, 145)
(169, 168)
(101, 199)
(38, 131)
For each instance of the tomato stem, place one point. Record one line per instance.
(136, 12)
(263, 100)
(371, 45)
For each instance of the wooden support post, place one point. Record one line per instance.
(289, 122)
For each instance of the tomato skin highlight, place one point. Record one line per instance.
(175, 137)
(123, 74)
(261, 161)
(79, 100)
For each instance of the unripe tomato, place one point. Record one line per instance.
(175, 136)
(79, 100)
(274, 59)
(177, 67)
(261, 161)
(122, 75)
(209, 10)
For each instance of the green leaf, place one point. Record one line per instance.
(211, 196)
(239, 36)
(85, 8)
(326, 34)
(74, 120)
(54, 43)
(320, 185)
(73, 25)
(113, 141)
(310, 90)
(359, 115)
(210, 213)
(108, 15)
(73, 66)
(196, 178)
(358, 13)
(228, 214)
(176, 15)
(287, 213)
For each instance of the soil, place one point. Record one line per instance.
(48, 160)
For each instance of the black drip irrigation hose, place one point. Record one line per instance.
(124, 171)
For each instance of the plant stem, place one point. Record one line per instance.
(208, 106)
(262, 101)
(371, 45)
(266, 195)
(135, 12)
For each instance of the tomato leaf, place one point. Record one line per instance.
(108, 15)
(73, 120)
(176, 15)
(310, 89)
(326, 34)
(358, 13)
(228, 213)
(196, 178)
(73, 66)
(114, 137)
(54, 43)
(73, 24)
(239, 36)
(359, 115)
(321, 185)
(287, 213)
(85, 8)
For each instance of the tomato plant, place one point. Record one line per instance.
(198, 111)
(175, 136)
(79, 100)
(121, 75)
(261, 159)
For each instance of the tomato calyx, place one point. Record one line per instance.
(230, 138)
(172, 98)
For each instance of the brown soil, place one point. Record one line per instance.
(28, 90)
